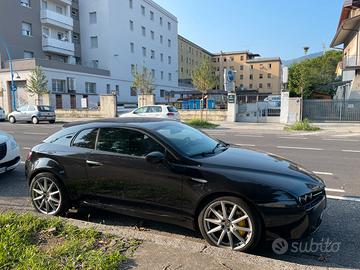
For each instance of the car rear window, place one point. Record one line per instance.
(45, 109)
(171, 109)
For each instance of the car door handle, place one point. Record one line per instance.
(93, 163)
(201, 181)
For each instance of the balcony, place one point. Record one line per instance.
(352, 3)
(58, 46)
(59, 20)
(351, 62)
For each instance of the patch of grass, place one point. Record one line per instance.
(29, 242)
(198, 123)
(302, 125)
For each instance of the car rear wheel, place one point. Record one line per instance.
(12, 120)
(35, 120)
(48, 195)
(52, 121)
(230, 223)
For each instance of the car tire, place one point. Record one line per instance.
(12, 120)
(52, 121)
(35, 120)
(240, 231)
(50, 197)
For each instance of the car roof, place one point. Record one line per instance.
(126, 121)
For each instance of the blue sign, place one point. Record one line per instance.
(13, 88)
(230, 75)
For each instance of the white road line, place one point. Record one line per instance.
(341, 198)
(250, 136)
(299, 148)
(323, 173)
(22, 162)
(31, 133)
(293, 138)
(351, 151)
(335, 190)
(244, 144)
(26, 148)
(341, 140)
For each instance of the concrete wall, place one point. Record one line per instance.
(290, 109)
(208, 115)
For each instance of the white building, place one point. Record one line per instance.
(124, 35)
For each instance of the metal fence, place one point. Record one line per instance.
(332, 110)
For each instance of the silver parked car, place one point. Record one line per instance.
(33, 114)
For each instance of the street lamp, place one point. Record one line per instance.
(12, 86)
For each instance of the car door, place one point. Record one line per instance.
(30, 112)
(20, 114)
(141, 112)
(154, 112)
(126, 181)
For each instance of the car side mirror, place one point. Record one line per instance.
(155, 157)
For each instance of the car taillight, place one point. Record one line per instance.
(29, 155)
(170, 114)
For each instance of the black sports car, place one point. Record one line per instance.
(167, 171)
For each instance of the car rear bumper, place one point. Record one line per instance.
(9, 165)
(47, 118)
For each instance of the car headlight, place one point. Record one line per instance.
(13, 144)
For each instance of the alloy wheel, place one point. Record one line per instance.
(228, 225)
(46, 196)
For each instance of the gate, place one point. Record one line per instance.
(332, 110)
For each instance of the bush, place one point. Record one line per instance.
(302, 125)
(198, 123)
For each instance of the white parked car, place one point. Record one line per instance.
(154, 111)
(9, 153)
(2, 114)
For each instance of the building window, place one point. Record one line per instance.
(94, 63)
(162, 75)
(161, 57)
(153, 73)
(59, 10)
(132, 47)
(241, 77)
(92, 17)
(117, 90)
(269, 75)
(76, 38)
(269, 85)
(241, 67)
(250, 86)
(260, 85)
(131, 23)
(144, 51)
(143, 31)
(161, 21)
(270, 65)
(152, 35)
(75, 13)
(169, 26)
(169, 43)
(261, 76)
(90, 88)
(94, 42)
(169, 77)
(26, 29)
(131, 4)
(151, 15)
(58, 86)
(162, 93)
(169, 60)
(242, 58)
(251, 76)
(28, 55)
(143, 10)
(152, 54)
(231, 58)
(108, 89)
(25, 3)
(44, 4)
(161, 39)
(133, 69)
(133, 91)
(251, 66)
(71, 83)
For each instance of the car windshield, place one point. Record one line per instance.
(187, 140)
(171, 109)
(45, 109)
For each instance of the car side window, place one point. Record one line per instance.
(86, 139)
(31, 108)
(23, 108)
(126, 142)
(154, 109)
(141, 110)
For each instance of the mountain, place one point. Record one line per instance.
(288, 63)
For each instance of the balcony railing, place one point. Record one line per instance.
(54, 18)
(351, 61)
(58, 46)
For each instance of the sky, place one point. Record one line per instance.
(268, 27)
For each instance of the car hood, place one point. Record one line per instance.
(4, 137)
(266, 169)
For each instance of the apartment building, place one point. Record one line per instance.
(122, 36)
(347, 35)
(189, 57)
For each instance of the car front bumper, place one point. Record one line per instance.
(11, 160)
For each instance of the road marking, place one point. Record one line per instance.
(244, 144)
(323, 173)
(22, 162)
(299, 148)
(335, 190)
(293, 138)
(250, 136)
(31, 133)
(351, 151)
(341, 140)
(341, 198)
(26, 148)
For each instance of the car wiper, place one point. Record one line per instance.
(212, 152)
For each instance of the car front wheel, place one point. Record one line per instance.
(48, 195)
(12, 120)
(35, 120)
(230, 223)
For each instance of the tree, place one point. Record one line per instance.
(314, 74)
(37, 84)
(143, 81)
(204, 79)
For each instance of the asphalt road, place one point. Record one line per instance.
(335, 158)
